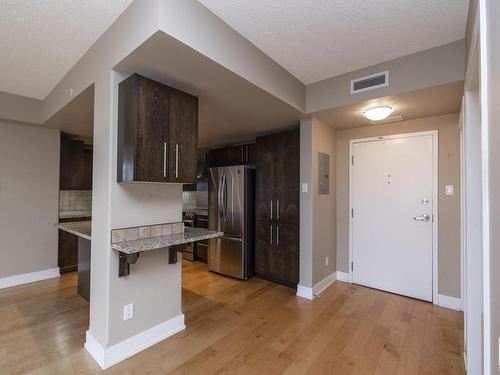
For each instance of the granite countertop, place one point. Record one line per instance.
(81, 229)
(146, 244)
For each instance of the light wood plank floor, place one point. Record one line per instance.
(235, 327)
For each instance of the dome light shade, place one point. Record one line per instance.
(377, 113)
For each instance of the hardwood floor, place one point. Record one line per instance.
(235, 327)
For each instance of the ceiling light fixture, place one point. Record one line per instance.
(377, 113)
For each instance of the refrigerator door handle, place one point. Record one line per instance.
(235, 239)
(225, 199)
(219, 200)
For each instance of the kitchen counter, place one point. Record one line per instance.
(81, 229)
(146, 244)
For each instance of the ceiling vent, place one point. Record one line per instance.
(371, 82)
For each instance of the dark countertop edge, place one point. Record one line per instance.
(64, 227)
(157, 242)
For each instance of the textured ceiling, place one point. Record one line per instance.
(319, 39)
(41, 40)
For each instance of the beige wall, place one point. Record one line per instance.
(432, 67)
(29, 198)
(317, 212)
(449, 206)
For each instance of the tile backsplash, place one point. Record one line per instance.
(192, 200)
(75, 200)
(148, 231)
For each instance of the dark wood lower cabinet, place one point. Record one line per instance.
(277, 208)
(84, 268)
(67, 258)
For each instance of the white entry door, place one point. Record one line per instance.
(392, 200)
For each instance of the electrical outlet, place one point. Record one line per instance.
(327, 261)
(128, 311)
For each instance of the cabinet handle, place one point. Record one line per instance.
(177, 160)
(271, 234)
(277, 234)
(247, 154)
(271, 209)
(164, 159)
(277, 209)
(242, 157)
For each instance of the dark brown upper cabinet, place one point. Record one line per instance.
(233, 155)
(157, 132)
(75, 171)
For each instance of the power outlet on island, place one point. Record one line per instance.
(327, 261)
(128, 311)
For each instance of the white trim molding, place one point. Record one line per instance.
(107, 357)
(323, 284)
(305, 292)
(316, 290)
(453, 303)
(25, 278)
(342, 276)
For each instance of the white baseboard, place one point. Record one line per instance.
(453, 303)
(305, 292)
(325, 283)
(107, 357)
(342, 276)
(315, 291)
(25, 278)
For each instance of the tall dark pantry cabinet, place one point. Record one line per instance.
(277, 208)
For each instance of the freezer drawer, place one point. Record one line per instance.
(226, 256)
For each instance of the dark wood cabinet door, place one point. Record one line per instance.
(287, 160)
(234, 155)
(265, 205)
(183, 140)
(266, 163)
(72, 167)
(250, 153)
(277, 205)
(87, 169)
(153, 110)
(287, 206)
(157, 132)
(287, 240)
(264, 254)
(67, 259)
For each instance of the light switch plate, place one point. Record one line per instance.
(305, 187)
(450, 190)
(128, 311)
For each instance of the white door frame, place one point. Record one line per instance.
(435, 196)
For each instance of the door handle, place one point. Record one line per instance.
(423, 217)
(164, 159)
(177, 160)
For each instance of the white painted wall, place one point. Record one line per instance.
(29, 198)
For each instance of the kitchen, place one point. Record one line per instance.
(245, 194)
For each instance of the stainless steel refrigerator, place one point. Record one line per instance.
(231, 207)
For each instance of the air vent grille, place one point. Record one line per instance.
(370, 82)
